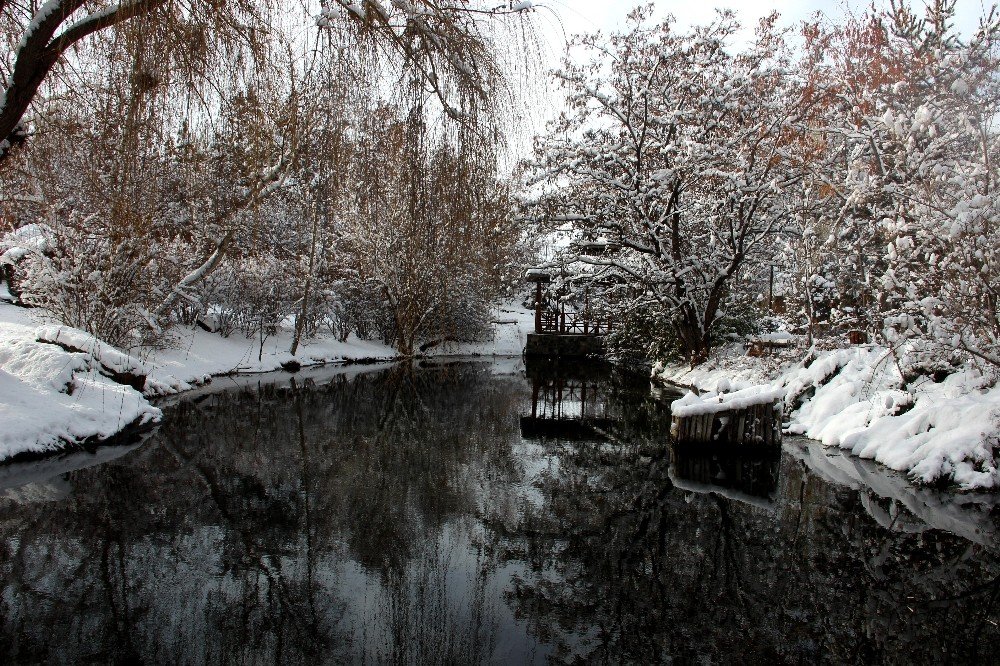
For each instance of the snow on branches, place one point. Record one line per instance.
(911, 132)
(677, 154)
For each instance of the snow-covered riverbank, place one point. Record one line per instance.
(60, 386)
(937, 432)
(50, 396)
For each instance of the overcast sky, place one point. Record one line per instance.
(589, 15)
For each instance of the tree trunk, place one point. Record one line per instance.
(301, 320)
(404, 344)
(191, 279)
(695, 342)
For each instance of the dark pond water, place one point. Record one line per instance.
(465, 513)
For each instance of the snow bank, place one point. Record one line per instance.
(948, 431)
(193, 356)
(730, 369)
(107, 356)
(50, 396)
(778, 336)
(855, 399)
(60, 385)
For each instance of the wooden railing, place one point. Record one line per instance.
(572, 323)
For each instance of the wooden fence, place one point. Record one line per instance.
(573, 323)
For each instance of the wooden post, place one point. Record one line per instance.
(559, 398)
(538, 307)
(757, 425)
(770, 293)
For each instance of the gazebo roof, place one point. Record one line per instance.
(537, 275)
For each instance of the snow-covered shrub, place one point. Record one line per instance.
(251, 295)
(95, 280)
(911, 153)
(916, 351)
(360, 307)
(739, 319)
(642, 333)
(17, 248)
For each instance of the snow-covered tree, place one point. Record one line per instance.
(675, 157)
(914, 119)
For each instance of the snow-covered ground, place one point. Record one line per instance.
(195, 354)
(511, 325)
(857, 400)
(51, 396)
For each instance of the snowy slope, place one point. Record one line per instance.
(947, 431)
(194, 356)
(49, 396)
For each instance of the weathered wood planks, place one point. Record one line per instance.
(757, 425)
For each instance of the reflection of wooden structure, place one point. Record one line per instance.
(559, 332)
(750, 478)
(566, 403)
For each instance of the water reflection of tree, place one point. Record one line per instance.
(627, 568)
(375, 517)
(224, 539)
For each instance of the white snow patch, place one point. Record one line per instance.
(103, 353)
(713, 403)
(49, 396)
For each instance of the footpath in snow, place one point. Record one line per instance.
(60, 386)
(937, 432)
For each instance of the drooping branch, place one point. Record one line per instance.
(40, 49)
(435, 40)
